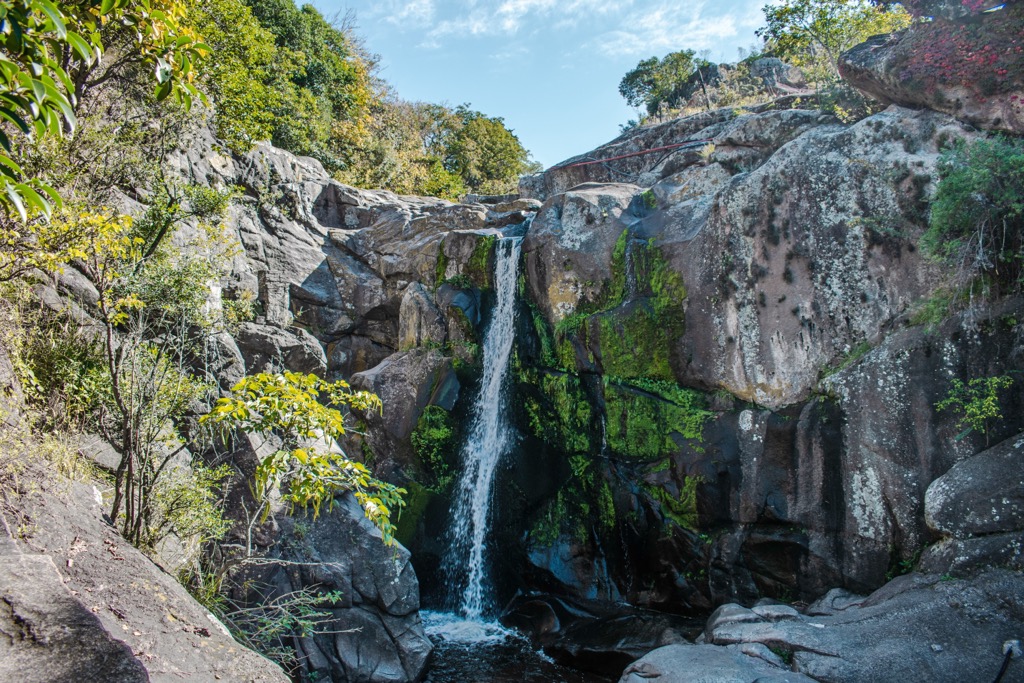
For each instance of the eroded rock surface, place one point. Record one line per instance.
(80, 604)
(915, 628)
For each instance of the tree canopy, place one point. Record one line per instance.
(812, 34)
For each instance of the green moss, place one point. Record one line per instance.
(479, 266)
(441, 267)
(416, 500)
(643, 416)
(558, 410)
(636, 345)
(544, 336)
(681, 510)
(435, 441)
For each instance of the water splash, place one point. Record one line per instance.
(489, 438)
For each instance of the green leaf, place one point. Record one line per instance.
(55, 16)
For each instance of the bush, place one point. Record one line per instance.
(976, 226)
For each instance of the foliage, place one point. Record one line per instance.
(273, 618)
(976, 226)
(643, 415)
(681, 510)
(485, 154)
(976, 403)
(811, 34)
(244, 79)
(187, 504)
(666, 82)
(434, 441)
(305, 411)
(49, 57)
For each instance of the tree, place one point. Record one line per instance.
(976, 224)
(812, 34)
(669, 81)
(49, 57)
(304, 411)
(485, 153)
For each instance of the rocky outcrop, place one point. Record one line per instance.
(915, 628)
(978, 507)
(593, 636)
(80, 604)
(371, 632)
(966, 66)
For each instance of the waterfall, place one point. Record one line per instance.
(489, 438)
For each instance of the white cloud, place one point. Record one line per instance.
(657, 28)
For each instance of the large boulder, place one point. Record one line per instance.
(371, 632)
(970, 67)
(81, 604)
(406, 382)
(915, 628)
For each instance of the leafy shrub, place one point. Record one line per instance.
(976, 402)
(434, 441)
(976, 225)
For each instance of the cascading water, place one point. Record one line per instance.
(468, 645)
(489, 438)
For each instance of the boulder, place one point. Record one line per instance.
(407, 382)
(935, 65)
(81, 604)
(707, 664)
(267, 348)
(420, 322)
(914, 628)
(981, 495)
(595, 636)
(372, 633)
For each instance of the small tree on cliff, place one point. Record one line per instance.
(305, 412)
(812, 34)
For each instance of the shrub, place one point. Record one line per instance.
(976, 226)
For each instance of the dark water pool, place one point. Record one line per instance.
(484, 652)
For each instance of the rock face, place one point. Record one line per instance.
(978, 506)
(769, 270)
(915, 628)
(969, 67)
(372, 633)
(80, 604)
(717, 385)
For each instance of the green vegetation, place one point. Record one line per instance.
(51, 56)
(667, 82)
(976, 403)
(643, 415)
(976, 225)
(435, 441)
(304, 411)
(811, 34)
(681, 510)
(558, 411)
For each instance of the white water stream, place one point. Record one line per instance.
(489, 439)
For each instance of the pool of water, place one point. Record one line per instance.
(468, 651)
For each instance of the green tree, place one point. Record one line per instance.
(812, 34)
(977, 403)
(667, 82)
(976, 224)
(50, 55)
(306, 413)
(485, 153)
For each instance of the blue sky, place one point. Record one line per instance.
(550, 68)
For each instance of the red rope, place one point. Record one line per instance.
(634, 154)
